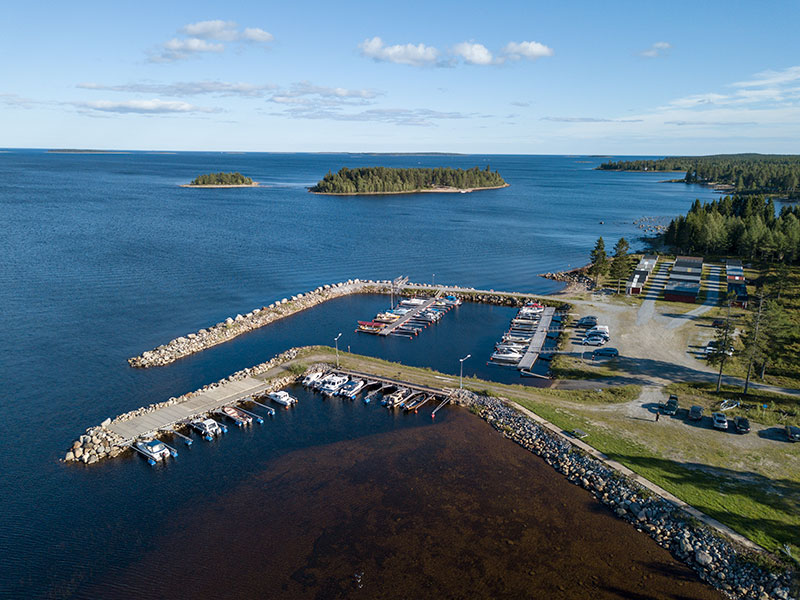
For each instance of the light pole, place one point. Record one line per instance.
(336, 341)
(434, 280)
(461, 374)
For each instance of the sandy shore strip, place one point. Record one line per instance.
(220, 186)
(438, 190)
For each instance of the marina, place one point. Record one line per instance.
(411, 316)
(522, 344)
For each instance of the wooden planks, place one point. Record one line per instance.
(537, 341)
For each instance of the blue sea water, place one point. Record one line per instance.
(104, 256)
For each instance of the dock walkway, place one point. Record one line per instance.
(409, 315)
(537, 341)
(411, 386)
(203, 402)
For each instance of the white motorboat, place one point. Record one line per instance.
(309, 379)
(155, 450)
(509, 356)
(282, 397)
(208, 428)
(333, 384)
(351, 388)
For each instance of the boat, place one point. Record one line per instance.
(351, 388)
(397, 397)
(309, 379)
(239, 416)
(154, 450)
(333, 384)
(509, 356)
(208, 428)
(452, 300)
(282, 397)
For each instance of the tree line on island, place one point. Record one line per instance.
(222, 179)
(745, 173)
(371, 180)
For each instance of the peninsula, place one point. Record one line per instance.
(742, 173)
(384, 180)
(221, 180)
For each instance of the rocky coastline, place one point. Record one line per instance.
(718, 561)
(99, 443)
(575, 278)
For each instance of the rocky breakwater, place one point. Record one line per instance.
(717, 560)
(99, 442)
(234, 326)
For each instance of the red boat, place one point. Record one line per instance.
(237, 415)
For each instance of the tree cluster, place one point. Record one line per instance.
(222, 179)
(744, 226)
(747, 173)
(618, 266)
(384, 179)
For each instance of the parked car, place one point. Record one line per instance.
(793, 433)
(696, 413)
(719, 420)
(711, 348)
(600, 329)
(594, 340)
(587, 321)
(607, 351)
(718, 323)
(671, 407)
(741, 424)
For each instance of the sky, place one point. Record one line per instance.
(516, 77)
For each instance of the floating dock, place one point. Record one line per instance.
(409, 315)
(537, 341)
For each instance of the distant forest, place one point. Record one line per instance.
(371, 180)
(744, 226)
(746, 173)
(222, 179)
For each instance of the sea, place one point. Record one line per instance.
(104, 256)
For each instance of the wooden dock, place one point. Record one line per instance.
(537, 341)
(409, 315)
(203, 402)
(396, 382)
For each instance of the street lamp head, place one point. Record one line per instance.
(336, 339)
(465, 358)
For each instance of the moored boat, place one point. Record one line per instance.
(239, 416)
(282, 397)
(155, 450)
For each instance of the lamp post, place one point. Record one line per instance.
(461, 374)
(336, 341)
(433, 283)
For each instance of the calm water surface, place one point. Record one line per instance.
(105, 256)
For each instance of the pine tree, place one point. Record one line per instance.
(599, 260)
(620, 264)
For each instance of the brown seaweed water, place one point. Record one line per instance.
(449, 511)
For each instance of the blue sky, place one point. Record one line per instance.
(505, 77)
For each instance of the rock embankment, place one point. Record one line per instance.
(716, 560)
(99, 442)
(234, 326)
(576, 278)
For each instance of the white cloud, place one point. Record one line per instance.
(771, 78)
(473, 53)
(254, 34)
(588, 120)
(225, 31)
(306, 88)
(17, 101)
(187, 88)
(144, 107)
(657, 49)
(529, 50)
(207, 36)
(415, 117)
(403, 54)
(698, 100)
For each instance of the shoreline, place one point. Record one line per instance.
(220, 186)
(443, 190)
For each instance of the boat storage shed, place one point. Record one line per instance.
(684, 280)
(640, 274)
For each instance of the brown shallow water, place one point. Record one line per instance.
(451, 511)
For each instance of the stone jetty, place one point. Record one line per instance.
(232, 327)
(719, 561)
(99, 442)
(574, 277)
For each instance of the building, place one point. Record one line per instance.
(641, 273)
(734, 276)
(684, 280)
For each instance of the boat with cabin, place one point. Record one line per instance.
(282, 397)
(155, 450)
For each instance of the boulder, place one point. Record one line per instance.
(703, 558)
(105, 423)
(70, 456)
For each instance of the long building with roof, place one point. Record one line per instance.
(684, 279)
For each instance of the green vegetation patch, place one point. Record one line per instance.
(383, 180)
(222, 179)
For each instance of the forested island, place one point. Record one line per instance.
(222, 179)
(385, 180)
(743, 173)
